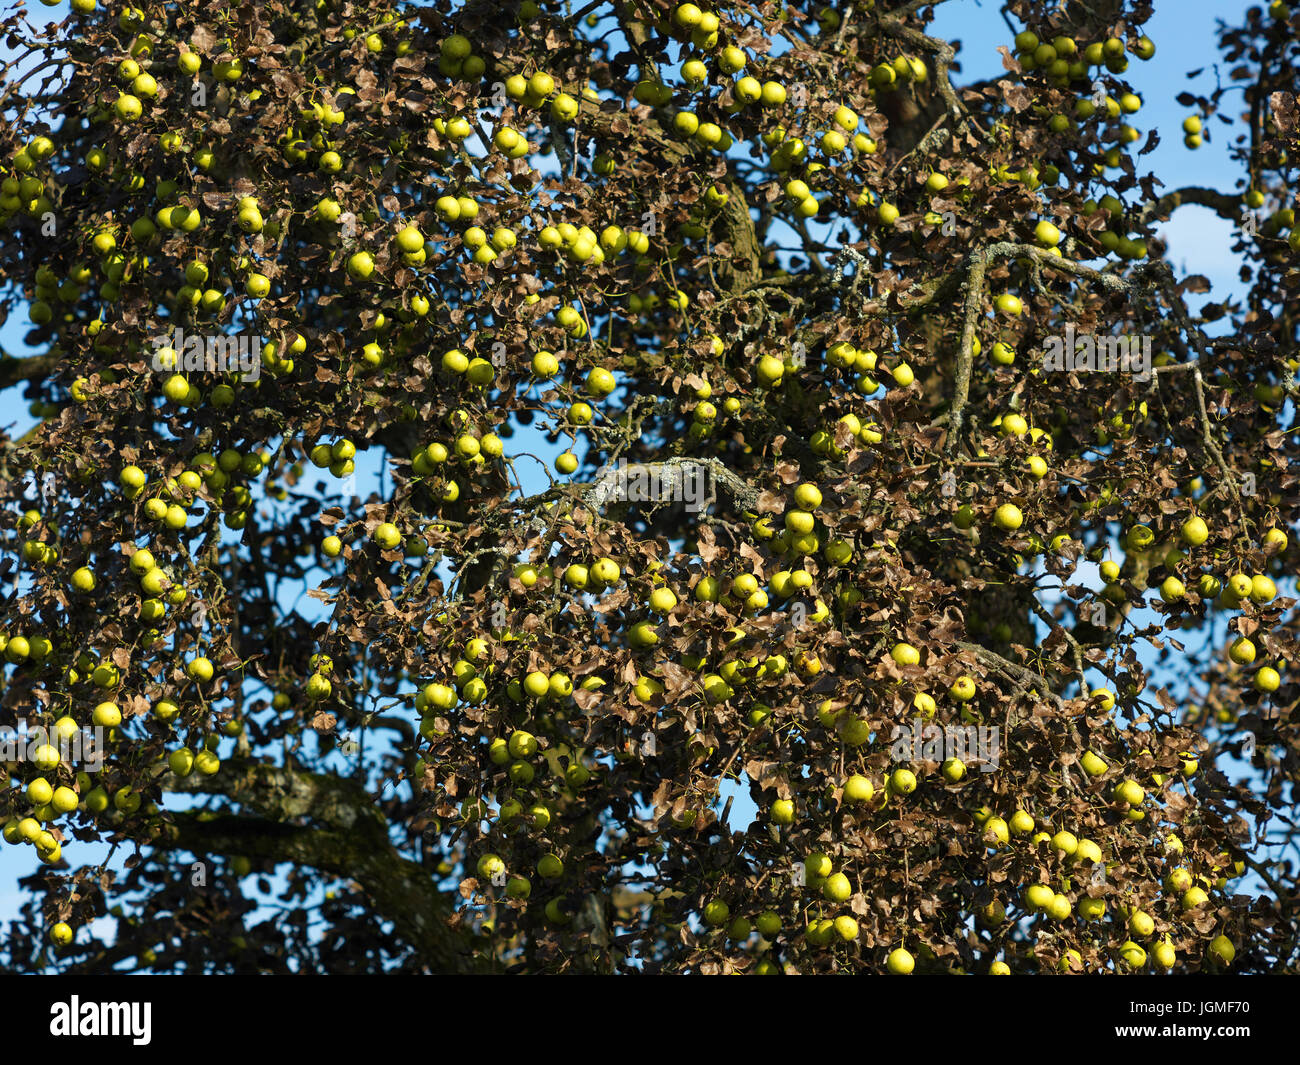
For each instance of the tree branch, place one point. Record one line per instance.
(13, 369)
(349, 838)
(1225, 205)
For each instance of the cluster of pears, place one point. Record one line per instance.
(23, 189)
(787, 152)
(472, 450)
(1228, 593)
(864, 366)
(899, 71)
(54, 297)
(1065, 63)
(318, 686)
(704, 413)
(492, 868)
(1081, 855)
(1115, 237)
(469, 452)
(820, 931)
(226, 477)
(48, 799)
(536, 89)
(824, 441)
(524, 810)
(581, 244)
(456, 58)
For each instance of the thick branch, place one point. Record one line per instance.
(961, 390)
(1223, 204)
(993, 660)
(13, 370)
(670, 472)
(345, 835)
(604, 489)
